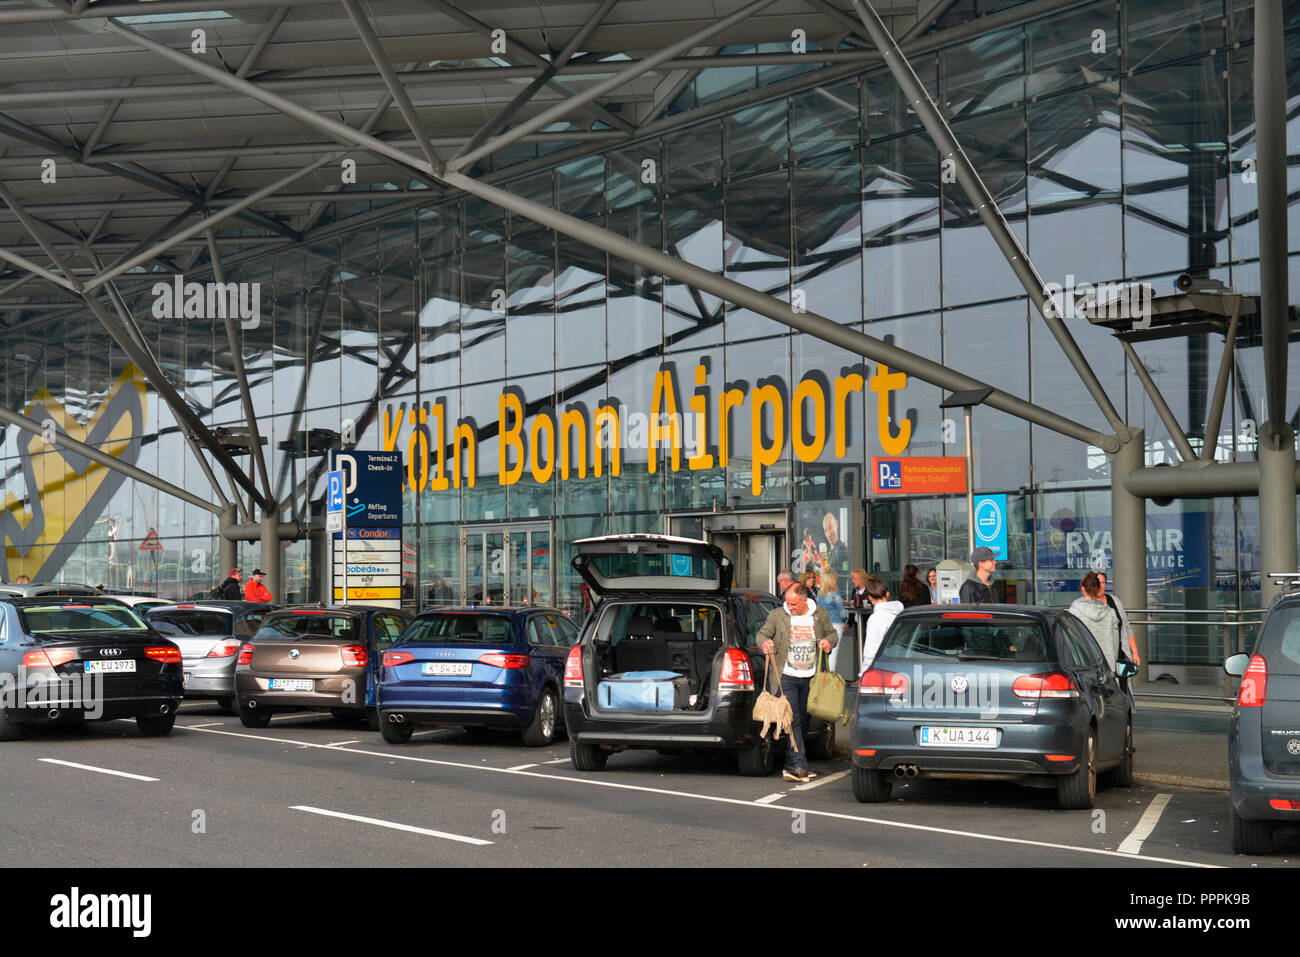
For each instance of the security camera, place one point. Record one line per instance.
(1186, 282)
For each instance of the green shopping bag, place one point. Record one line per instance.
(826, 694)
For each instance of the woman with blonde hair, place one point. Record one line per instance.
(830, 600)
(809, 580)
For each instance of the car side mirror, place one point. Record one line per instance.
(1236, 665)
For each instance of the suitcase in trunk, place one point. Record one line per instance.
(644, 691)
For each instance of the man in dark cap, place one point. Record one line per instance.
(255, 590)
(976, 590)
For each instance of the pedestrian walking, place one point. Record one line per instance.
(1127, 640)
(883, 612)
(911, 590)
(784, 579)
(793, 634)
(976, 590)
(230, 589)
(829, 598)
(809, 580)
(1091, 608)
(255, 590)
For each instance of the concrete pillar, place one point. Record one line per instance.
(227, 549)
(1277, 505)
(1128, 522)
(272, 553)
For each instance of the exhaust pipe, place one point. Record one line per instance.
(913, 770)
(906, 770)
(165, 708)
(397, 719)
(52, 714)
(251, 704)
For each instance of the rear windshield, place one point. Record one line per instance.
(655, 570)
(73, 618)
(671, 621)
(1280, 641)
(962, 639)
(343, 627)
(191, 622)
(482, 629)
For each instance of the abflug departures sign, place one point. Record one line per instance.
(373, 487)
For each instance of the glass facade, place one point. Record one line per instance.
(1117, 140)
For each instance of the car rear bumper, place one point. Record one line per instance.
(504, 704)
(727, 727)
(329, 692)
(1251, 785)
(423, 714)
(1022, 750)
(109, 709)
(209, 678)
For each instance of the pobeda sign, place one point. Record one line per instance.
(578, 438)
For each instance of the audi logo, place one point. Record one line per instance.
(111, 652)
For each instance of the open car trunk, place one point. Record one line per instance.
(657, 656)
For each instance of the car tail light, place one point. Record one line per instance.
(48, 659)
(1057, 684)
(573, 668)
(878, 681)
(736, 673)
(1059, 757)
(1254, 684)
(966, 614)
(224, 649)
(394, 658)
(245, 655)
(1282, 804)
(166, 654)
(354, 656)
(499, 660)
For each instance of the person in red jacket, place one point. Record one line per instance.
(255, 590)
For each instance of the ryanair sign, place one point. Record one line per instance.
(700, 434)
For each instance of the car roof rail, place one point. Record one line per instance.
(1287, 581)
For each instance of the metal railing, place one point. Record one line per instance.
(1224, 626)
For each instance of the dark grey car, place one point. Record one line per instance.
(1007, 691)
(1264, 734)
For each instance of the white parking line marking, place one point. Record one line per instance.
(87, 767)
(771, 798)
(391, 824)
(335, 744)
(521, 767)
(820, 781)
(210, 724)
(418, 734)
(1133, 843)
(716, 799)
(295, 714)
(558, 761)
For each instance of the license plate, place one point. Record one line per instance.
(448, 668)
(932, 737)
(109, 667)
(292, 684)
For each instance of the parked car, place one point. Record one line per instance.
(665, 605)
(141, 603)
(477, 667)
(51, 589)
(1007, 691)
(1264, 734)
(210, 636)
(83, 658)
(315, 657)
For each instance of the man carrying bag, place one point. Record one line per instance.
(793, 634)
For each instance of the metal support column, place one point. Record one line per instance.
(227, 549)
(272, 552)
(1277, 506)
(1128, 519)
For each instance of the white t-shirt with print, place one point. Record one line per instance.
(801, 661)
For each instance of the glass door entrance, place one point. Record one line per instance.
(754, 543)
(506, 564)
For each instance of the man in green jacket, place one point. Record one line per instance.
(792, 635)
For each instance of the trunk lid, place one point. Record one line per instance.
(652, 563)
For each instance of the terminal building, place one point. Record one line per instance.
(239, 238)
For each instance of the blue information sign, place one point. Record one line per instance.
(991, 524)
(372, 486)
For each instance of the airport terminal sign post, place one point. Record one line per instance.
(336, 520)
(367, 552)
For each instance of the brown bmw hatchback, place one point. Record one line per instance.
(318, 657)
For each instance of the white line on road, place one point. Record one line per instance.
(335, 744)
(771, 798)
(299, 714)
(1133, 843)
(87, 767)
(391, 824)
(558, 761)
(717, 799)
(826, 780)
(522, 767)
(210, 724)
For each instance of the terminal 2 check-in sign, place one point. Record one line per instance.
(365, 490)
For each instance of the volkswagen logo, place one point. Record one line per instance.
(959, 683)
(1293, 745)
(111, 652)
(294, 652)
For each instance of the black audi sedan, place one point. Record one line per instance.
(1014, 692)
(84, 658)
(1264, 735)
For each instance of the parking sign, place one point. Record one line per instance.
(334, 501)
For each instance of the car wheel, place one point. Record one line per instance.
(1251, 837)
(871, 786)
(252, 717)
(154, 725)
(824, 748)
(1077, 791)
(9, 730)
(541, 731)
(227, 705)
(587, 757)
(396, 733)
(1122, 776)
(759, 759)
